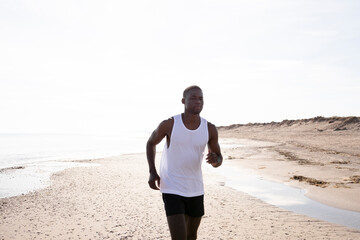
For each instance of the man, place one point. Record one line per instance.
(180, 180)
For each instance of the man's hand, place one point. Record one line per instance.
(213, 159)
(154, 181)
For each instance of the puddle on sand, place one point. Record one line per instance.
(284, 196)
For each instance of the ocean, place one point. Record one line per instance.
(17, 149)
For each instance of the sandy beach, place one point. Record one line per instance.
(113, 201)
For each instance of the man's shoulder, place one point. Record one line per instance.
(210, 125)
(169, 120)
(167, 124)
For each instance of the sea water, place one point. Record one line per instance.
(18, 149)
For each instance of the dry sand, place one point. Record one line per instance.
(113, 200)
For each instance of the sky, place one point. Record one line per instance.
(112, 66)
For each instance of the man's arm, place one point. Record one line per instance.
(155, 138)
(214, 156)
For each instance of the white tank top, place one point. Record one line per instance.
(180, 166)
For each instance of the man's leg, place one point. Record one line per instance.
(193, 224)
(177, 226)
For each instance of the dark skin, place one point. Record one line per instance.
(183, 226)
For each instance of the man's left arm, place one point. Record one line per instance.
(214, 156)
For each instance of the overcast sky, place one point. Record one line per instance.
(106, 66)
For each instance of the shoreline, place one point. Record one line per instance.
(113, 201)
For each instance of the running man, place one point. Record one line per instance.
(180, 180)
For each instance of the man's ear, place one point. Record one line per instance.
(183, 100)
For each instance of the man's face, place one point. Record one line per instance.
(194, 101)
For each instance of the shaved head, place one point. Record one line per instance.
(189, 89)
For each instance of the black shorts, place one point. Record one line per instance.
(191, 206)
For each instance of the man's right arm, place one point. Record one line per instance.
(160, 132)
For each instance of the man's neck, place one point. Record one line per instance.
(188, 117)
(191, 121)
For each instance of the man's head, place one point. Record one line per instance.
(193, 99)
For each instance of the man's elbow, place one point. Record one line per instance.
(150, 145)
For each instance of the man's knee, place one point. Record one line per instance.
(191, 233)
(192, 227)
(191, 236)
(177, 226)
